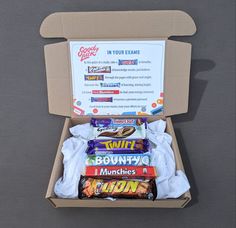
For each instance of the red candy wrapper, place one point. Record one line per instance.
(143, 172)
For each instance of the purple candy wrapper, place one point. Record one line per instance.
(118, 122)
(116, 146)
(110, 128)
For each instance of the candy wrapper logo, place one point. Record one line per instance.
(128, 62)
(123, 121)
(85, 53)
(119, 144)
(146, 172)
(118, 160)
(93, 77)
(119, 186)
(100, 129)
(99, 69)
(107, 172)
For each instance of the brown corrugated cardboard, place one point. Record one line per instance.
(176, 84)
(130, 25)
(58, 78)
(118, 24)
(94, 25)
(58, 169)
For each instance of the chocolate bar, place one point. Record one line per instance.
(94, 77)
(101, 99)
(119, 159)
(128, 62)
(116, 146)
(147, 172)
(99, 69)
(119, 128)
(133, 189)
(110, 84)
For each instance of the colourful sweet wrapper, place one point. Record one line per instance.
(118, 146)
(111, 128)
(103, 188)
(123, 172)
(118, 159)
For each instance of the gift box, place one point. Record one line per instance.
(116, 26)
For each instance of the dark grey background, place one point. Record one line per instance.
(29, 135)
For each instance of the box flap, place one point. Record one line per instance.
(58, 78)
(176, 82)
(117, 24)
(177, 75)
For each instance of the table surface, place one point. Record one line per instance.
(29, 135)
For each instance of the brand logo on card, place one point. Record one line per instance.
(87, 52)
(99, 69)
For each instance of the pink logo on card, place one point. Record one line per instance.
(85, 53)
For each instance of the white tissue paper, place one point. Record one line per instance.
(171, 183)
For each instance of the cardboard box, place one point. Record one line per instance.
(130, 25)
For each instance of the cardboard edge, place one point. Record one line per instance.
(170, 128)
(99, 203)
(58, 78)
(188, 199)
(45, 62)
(189, 75)
(70, 79)
(51, 202)
(55, 169)
(177, 79)
(178, 159)
(51, 21)
(190, 20)
(52, 26)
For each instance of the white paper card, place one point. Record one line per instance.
(117, 77)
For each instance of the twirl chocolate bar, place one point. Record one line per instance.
(118, 146)
(119, 128)
(133, 189)
(119, 159)
(147, 172)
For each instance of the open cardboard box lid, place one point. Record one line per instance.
(118, 25)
